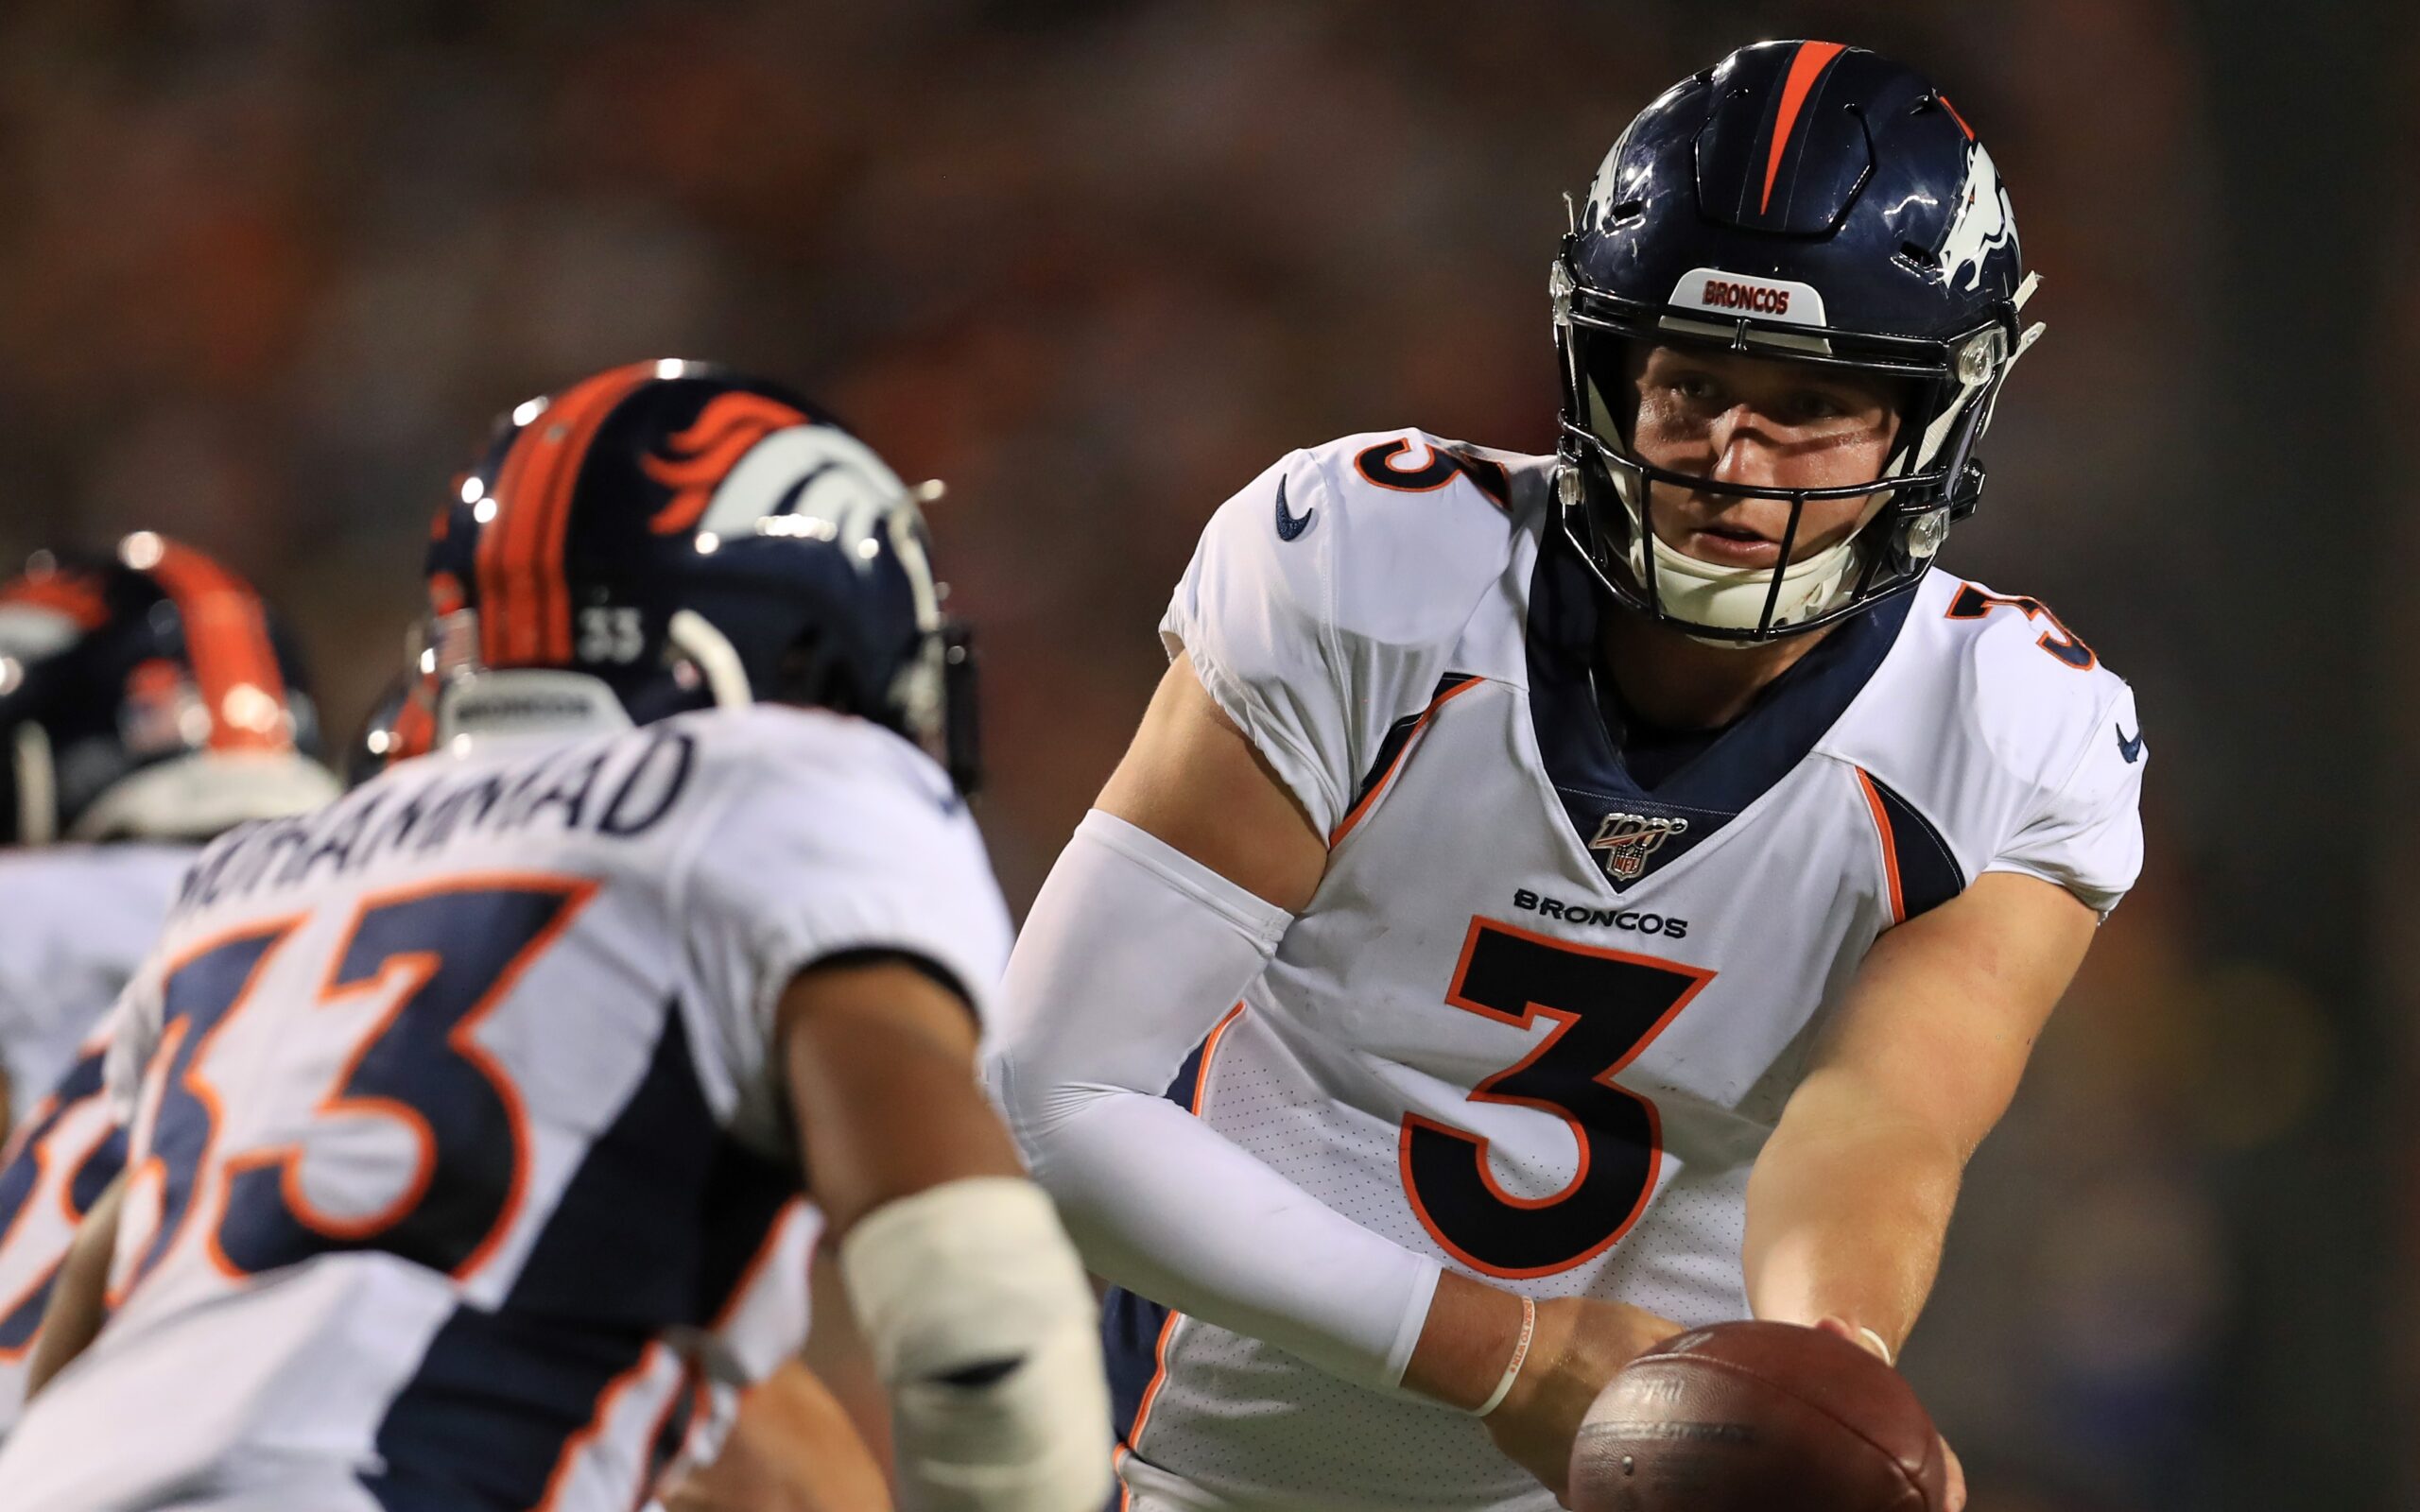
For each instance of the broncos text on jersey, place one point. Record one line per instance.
(1539, 1018)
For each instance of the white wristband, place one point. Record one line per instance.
(1882, 1346)
(1513, 1367)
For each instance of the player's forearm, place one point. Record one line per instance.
(1170, 1210)
(880, 1059)
(1847, 1215)
(79, 1298)
(972, 1303)
(1130, 955)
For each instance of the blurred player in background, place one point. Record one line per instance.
(148, 700)
(779, 1438)
(1583, 895)
(464, 1111)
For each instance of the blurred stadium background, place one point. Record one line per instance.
(266, 271)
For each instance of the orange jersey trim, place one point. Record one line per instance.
(1370, 799)
(578, 1445)
(1890, 846)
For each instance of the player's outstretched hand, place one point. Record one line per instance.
(1578, 1346)
(1956, 1499)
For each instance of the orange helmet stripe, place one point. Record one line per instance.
(525, 604)
(1954, 115)
(1804, 65)
(227, 640)
(496, 599)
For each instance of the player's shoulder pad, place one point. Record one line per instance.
(807, 801)
(2038, 695)
(1386, 538)
(792, 756)
(829, 832)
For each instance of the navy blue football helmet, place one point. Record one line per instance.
(1809, 202)
(672, 535)
(148, 695)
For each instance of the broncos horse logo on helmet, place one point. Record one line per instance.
(148, 695)
(1812, 203)
(670, 536)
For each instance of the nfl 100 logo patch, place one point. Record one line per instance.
(1624, 841)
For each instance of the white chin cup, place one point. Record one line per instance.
(1732, 598)
(1702, 593)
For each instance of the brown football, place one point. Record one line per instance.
(1755, 1418)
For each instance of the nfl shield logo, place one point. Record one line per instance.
(1624, 841)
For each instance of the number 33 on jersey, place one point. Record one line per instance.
(456, 1141)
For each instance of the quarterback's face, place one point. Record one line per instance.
(1737, 419)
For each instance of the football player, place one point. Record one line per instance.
(776, 1436)
(464, 1109)
(148, 700)
(1569, 898)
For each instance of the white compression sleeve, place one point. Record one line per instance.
(1131, 953)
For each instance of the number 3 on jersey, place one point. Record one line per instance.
(440, 958)
(1607, 1006)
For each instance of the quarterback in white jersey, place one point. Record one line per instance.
(463, 1112)
(1572, 898)
(150, 701)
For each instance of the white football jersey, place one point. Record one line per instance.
(456, 1134)
(1539, 1020)
(75, 923)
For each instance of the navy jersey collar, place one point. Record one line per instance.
(1601, 797)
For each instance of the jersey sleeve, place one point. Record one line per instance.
(1319, 610)
(833, 837)
(28, 1033)
(2085, 835)
(71, 934)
